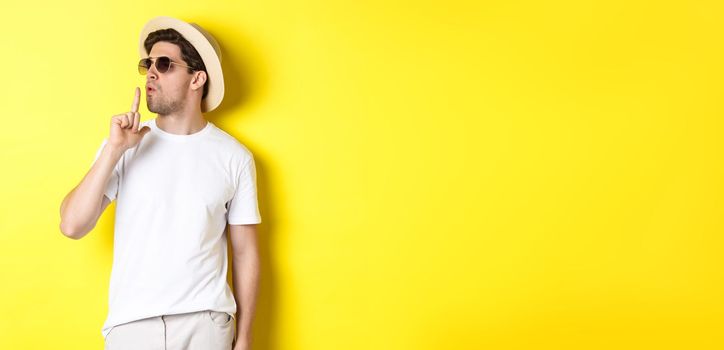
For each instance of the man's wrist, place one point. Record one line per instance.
(114, 151)
(242, 341)
(242, 334)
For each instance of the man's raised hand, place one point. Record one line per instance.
(124, 127)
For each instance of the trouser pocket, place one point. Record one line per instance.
(222, 329)
(219, 318)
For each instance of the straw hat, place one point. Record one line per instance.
(206, 46)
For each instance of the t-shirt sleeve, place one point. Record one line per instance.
(112, 186)
(244, 207)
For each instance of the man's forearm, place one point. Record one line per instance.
(80, 209)
(245, 268)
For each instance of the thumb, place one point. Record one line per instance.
(144, 130)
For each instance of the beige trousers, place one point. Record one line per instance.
(208, 330)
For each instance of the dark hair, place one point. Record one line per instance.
(188, 53)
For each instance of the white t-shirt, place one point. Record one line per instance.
(174, 196)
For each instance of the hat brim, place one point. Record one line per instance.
(205, 45)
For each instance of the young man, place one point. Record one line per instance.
(178, 181)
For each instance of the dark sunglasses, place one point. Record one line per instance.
(163, 64)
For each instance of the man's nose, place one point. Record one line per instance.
(152, 73)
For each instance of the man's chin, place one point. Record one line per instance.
(161, 109)
(152, 109)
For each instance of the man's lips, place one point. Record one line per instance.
(150, 88)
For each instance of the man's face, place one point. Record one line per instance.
(166, 92)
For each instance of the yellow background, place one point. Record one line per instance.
(432, 175)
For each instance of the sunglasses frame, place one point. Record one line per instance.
(154, 61)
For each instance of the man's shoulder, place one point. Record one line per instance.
(231, 143)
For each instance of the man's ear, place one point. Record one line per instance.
(198, 80)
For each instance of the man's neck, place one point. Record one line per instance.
(182, 123)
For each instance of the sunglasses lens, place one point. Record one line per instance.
(163, 63)
(143, 66)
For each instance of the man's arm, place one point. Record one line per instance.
(245, 266)
(82, 207)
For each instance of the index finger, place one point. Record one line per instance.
(136, 99)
